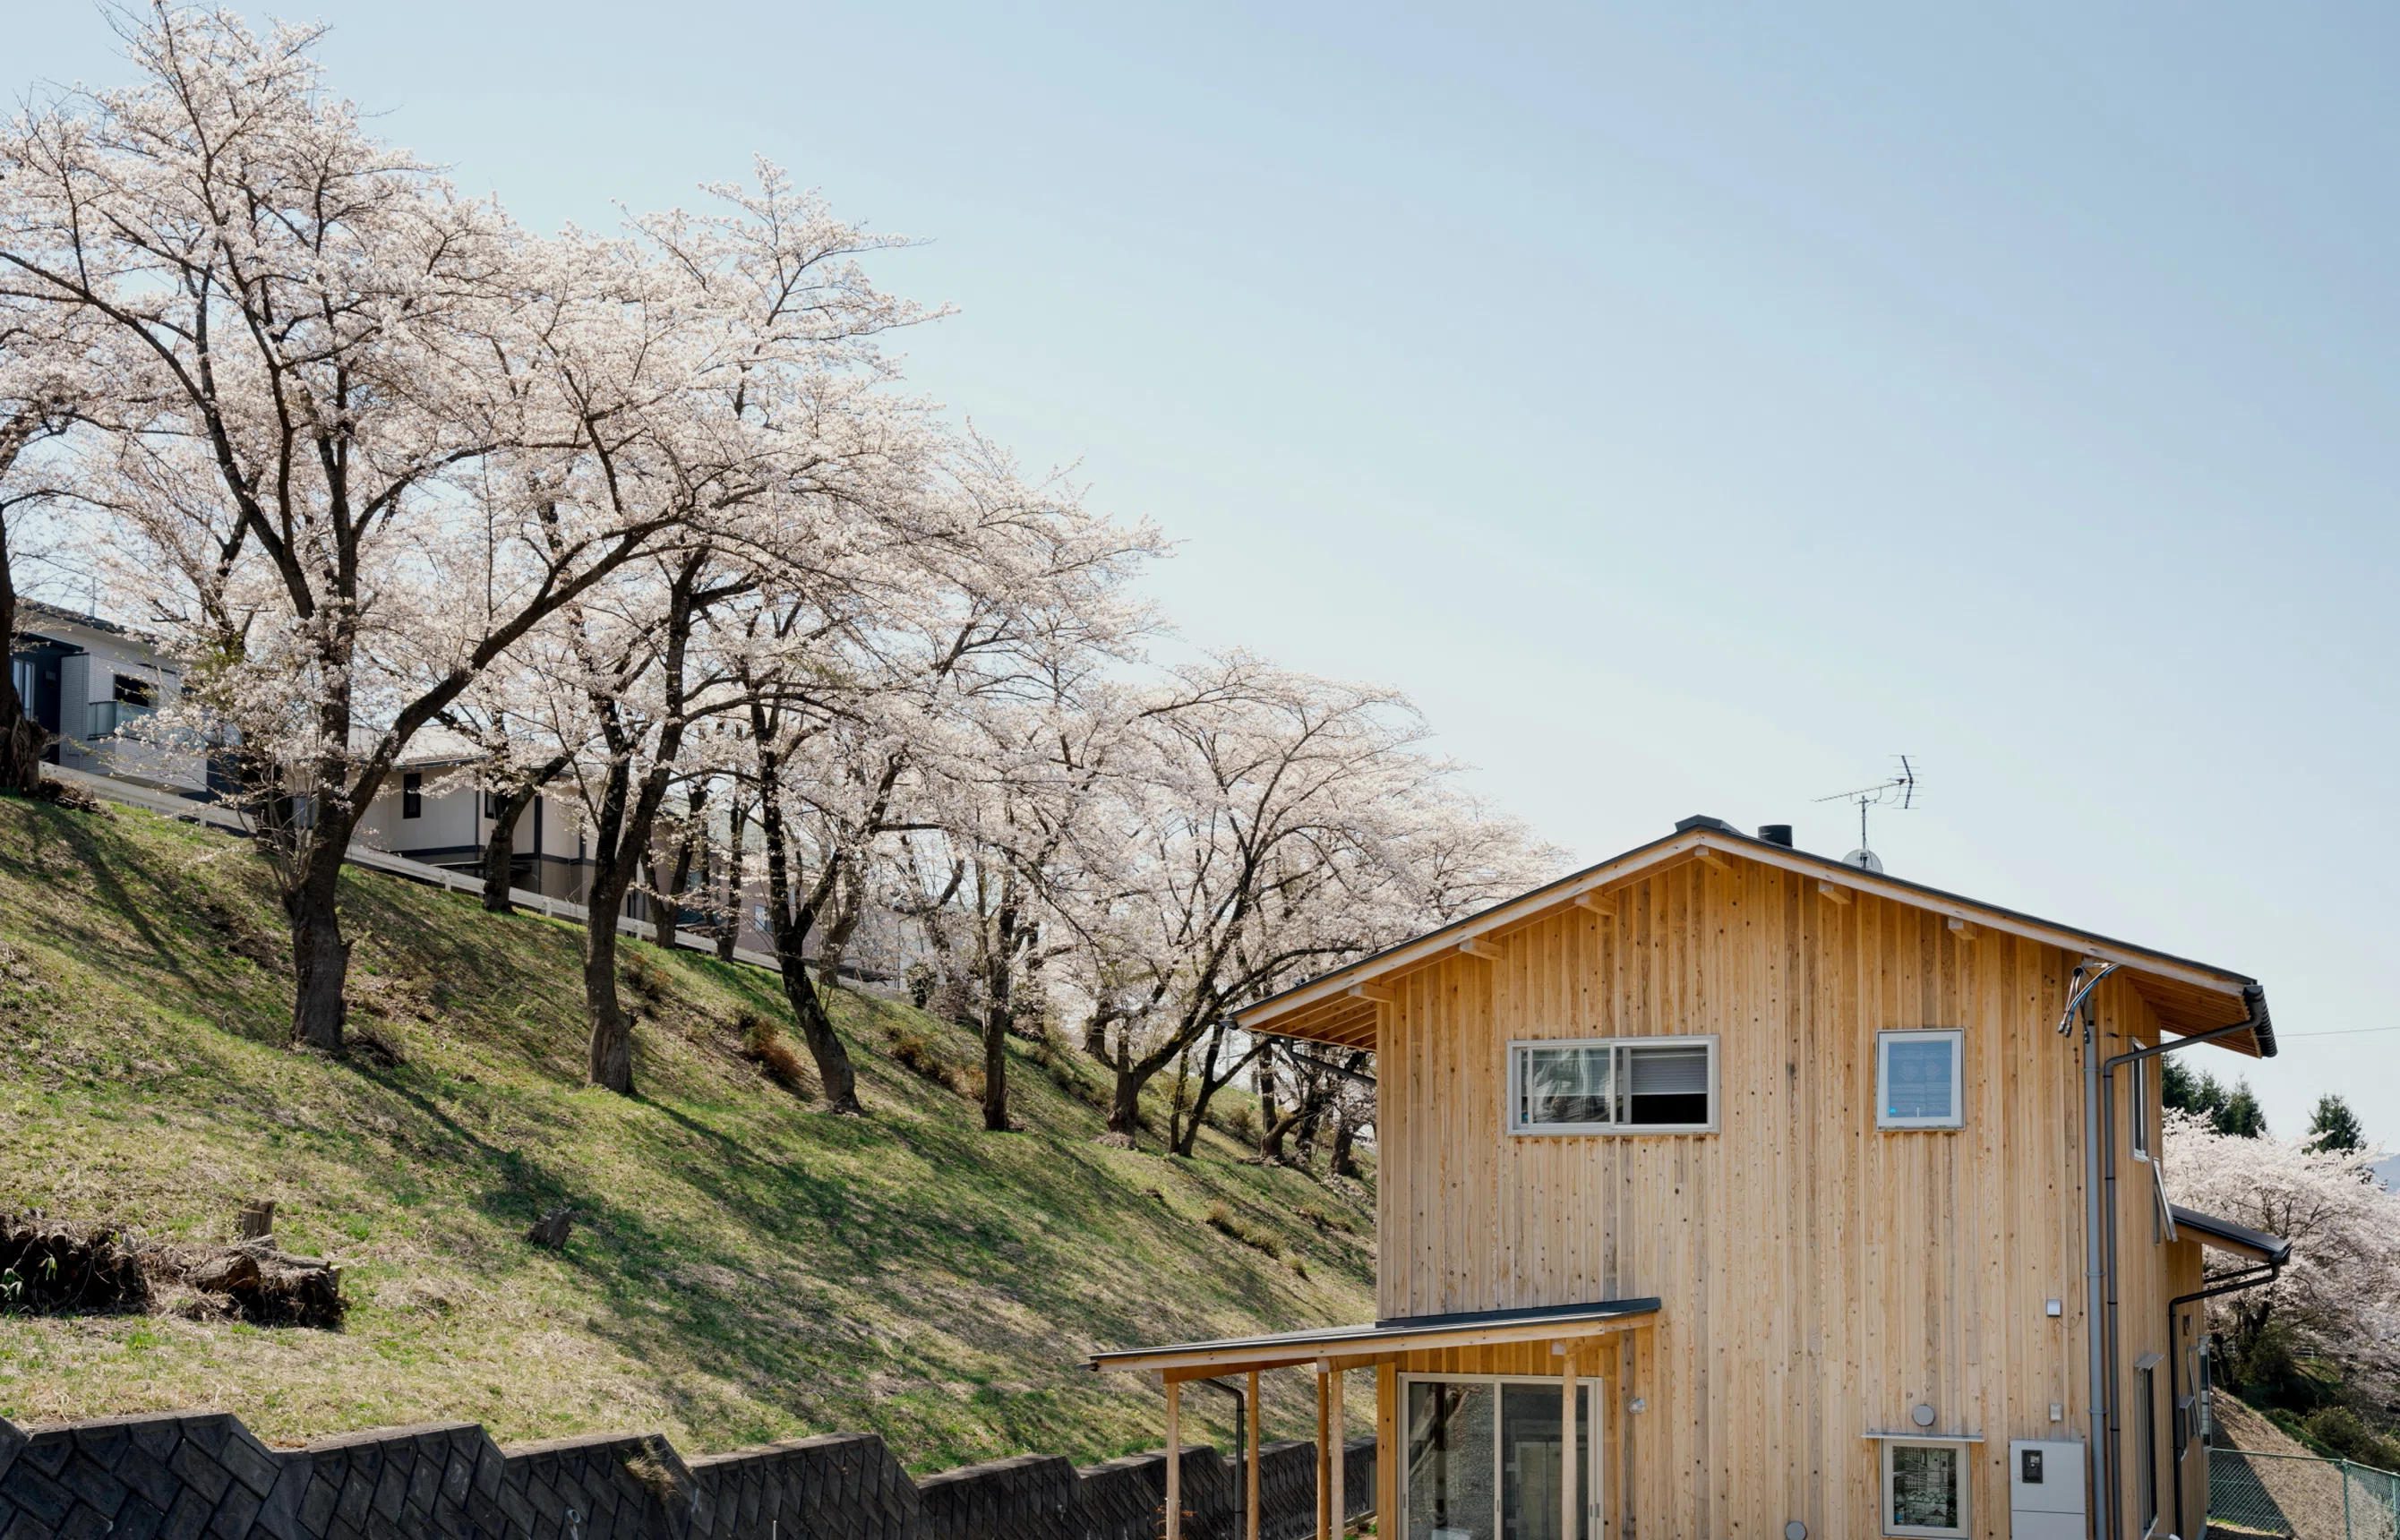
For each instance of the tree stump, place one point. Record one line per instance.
(551, 1230)
(256, 1221)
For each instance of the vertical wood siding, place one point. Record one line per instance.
(1820, 1278)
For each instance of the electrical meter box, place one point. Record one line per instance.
(2045, 1490)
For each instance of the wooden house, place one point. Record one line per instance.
(1794, 1198)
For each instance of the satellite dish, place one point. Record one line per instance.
(1863, 859)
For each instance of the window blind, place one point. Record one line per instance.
(1682, 1070)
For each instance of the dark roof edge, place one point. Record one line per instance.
(1717, 827)
(2262, 1021)
(2274, 1247)
(1600, 1309)
(1401, 1327)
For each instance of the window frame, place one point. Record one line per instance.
(1591, 1387)
(2146, 1378)
(2138, 1101)
(1962, 1470)
(1513, 1082)
(412, 794)
(1884, 1040)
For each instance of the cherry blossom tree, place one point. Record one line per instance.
(2340, 1292)
(875, 708)
(336, 498)
(1244, 837)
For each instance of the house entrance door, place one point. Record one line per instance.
(1484, 1461)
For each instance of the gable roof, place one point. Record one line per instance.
(2187, 996)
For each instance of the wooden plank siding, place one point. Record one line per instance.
(1820, 1278)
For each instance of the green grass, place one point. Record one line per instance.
(744, 1268)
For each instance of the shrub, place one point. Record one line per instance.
(763, 1045)
(1325, 1219)
(912, 1053)
(645, 978)
(2341, 1430)
(1225, 1220)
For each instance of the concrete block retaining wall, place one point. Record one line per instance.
(181, 1477)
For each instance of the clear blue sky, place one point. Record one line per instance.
(1691, 406)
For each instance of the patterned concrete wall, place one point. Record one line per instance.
(184, 1476)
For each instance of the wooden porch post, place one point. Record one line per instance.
(1338, 1454)
(1569, 1473)
(1388, 1452)
(1174, 1459)
(1324, 1464)
(1252, 1465)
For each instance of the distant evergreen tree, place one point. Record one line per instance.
(2335, 1127)
(2194, 1091)
(2239, 1114)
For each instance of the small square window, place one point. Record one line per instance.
(1924, 1489)
(1918, 1079)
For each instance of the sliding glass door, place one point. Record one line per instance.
(1484, 1459)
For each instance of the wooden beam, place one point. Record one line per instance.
(1965, 930)
(1483, 949)
(1834, 891)
(1250, 1464)
(1174, 1459)
(1711, 860)
(1569, 1487)
(1375, 992)
(1340, 1454)
(1323, 1465)
(1387, 1442)
(1598, 903)
(1200, 1361)
(1208, 1369)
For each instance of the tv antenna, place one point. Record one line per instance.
(1900, 792)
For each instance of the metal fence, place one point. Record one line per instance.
(2300, 1496)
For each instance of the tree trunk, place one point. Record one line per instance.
(611, 1064)
(1211, 1081)
(834, 1072)
(615, 841)
(320, 959)
(790, 922)
(1125, 1101)
(1179, 1134)
(728, 917)
(666, 883)
(500, 852)
(998, 1015)
(835, 930)
(1271, 1128)
(1346, 1135)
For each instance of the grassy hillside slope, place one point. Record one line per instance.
(746, 1268)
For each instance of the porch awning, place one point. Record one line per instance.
(1365, 1343)
(2226, 1235)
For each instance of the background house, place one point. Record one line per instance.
(87, 681)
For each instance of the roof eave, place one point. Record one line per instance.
(1691, 839)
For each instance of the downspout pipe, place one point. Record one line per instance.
(2252, 1277)
(2086, 978)
(2254, 998)
(1243, 1453)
